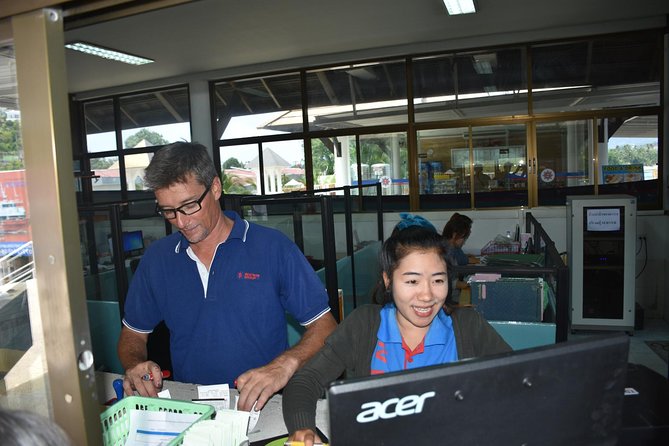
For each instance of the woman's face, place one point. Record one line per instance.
(419, 287)
(458, 240)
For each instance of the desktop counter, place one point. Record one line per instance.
(270, 423)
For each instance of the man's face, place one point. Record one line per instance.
(185, 196)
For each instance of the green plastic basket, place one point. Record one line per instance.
(116, 419)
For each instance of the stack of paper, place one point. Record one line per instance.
(227, 429)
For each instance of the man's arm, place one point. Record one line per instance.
(133, 355)
(257, 386)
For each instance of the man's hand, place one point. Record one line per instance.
(256, 386)
(133, 379)
(307, 436)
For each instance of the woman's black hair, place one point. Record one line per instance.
(459, 225)
(400, 245)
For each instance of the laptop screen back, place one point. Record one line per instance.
(567, 393)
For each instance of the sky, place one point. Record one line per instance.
(614, 142)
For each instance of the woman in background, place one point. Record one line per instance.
(455, 233)
(411, 329)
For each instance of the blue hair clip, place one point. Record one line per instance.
(413, 220)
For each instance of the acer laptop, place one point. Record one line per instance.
(561, 394)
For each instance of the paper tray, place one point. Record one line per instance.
(116, 419)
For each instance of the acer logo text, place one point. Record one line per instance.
(393, 407)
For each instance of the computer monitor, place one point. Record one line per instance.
(133, 243)
(561, 394)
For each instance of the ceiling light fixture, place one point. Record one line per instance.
(455, 7)
(107, 53)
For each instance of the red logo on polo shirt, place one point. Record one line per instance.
(248, 276)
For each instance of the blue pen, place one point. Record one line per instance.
(118, 388)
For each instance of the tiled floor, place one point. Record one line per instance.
(640, 352)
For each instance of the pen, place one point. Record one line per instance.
(149, 376)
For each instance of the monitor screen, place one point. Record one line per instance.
(133, 242)
(604, 219)
(566, 393)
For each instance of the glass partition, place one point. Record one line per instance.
(444, 168)
(564, 160)
(500, 165)
(499, 159)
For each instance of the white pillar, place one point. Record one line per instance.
(395, 163)
(342, 168)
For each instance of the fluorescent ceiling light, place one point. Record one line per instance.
(456, 7)
(107, 53)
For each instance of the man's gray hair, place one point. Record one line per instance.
(175, 162)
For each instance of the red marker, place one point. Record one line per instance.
(149, 376)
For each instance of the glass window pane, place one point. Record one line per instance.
(238, 177)
(383, 158)
(606, 72)
(386, 157)
(471, 85)
(107, 174)
(99, 123)
(134, 170)
(16, 251)
(357, 96)
(283, 166)
(262, 106)
(629, 158)
(155, 118)
(564, 160)
(444, 168)
(500, 166)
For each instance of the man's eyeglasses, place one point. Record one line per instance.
(187, 208)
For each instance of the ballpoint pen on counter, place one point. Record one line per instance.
(149, 376)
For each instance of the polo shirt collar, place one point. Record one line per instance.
(240, 229)
(389, 331)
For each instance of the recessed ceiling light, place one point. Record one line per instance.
(455, 7)
(107, 53)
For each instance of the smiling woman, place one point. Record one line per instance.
(412, 328)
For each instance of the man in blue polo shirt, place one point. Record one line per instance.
(222, 286)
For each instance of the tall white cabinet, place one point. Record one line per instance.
(601, 241)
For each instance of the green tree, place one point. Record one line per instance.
(645, 154)
(322, 158)
(232, 162)
(233, 185)
(101, 163)
(151, 137)
(11, 152)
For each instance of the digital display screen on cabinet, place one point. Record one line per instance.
(604, 219)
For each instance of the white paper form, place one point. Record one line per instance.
(217, 395)
(152, 428)
(228, 429)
